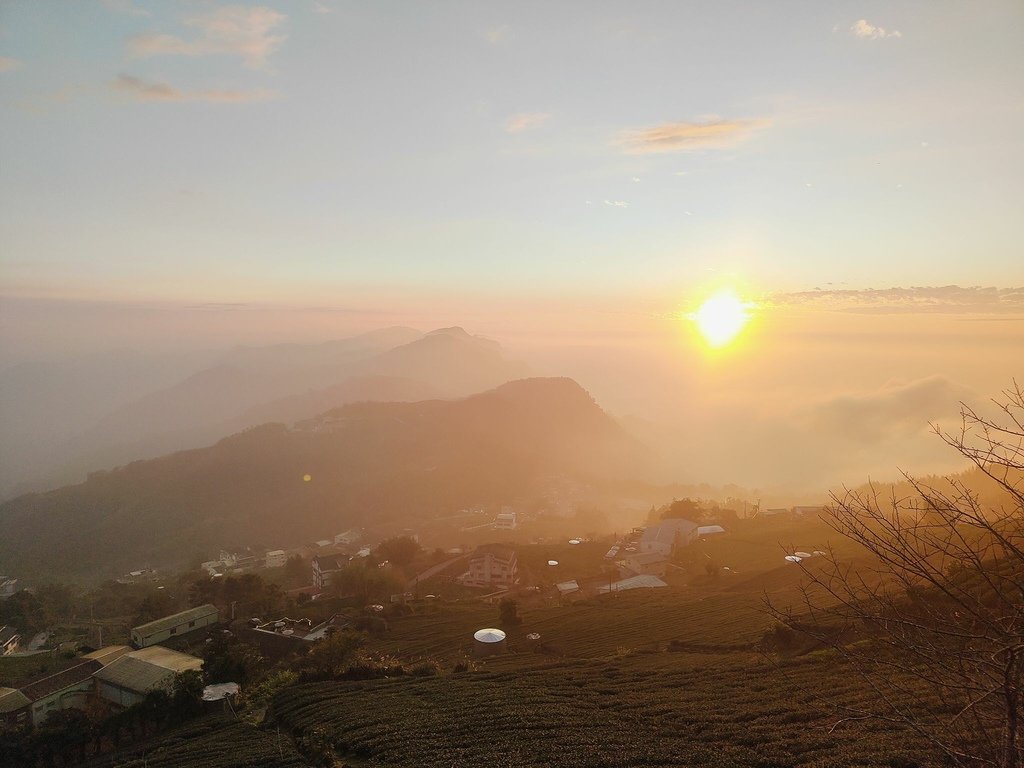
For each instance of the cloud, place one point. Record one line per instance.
(7, 64)
(948, 299)
(866, 31)
(496, 35)
(321, 8)
(682, 137)
(617, 203)
(525, 121)
(140, 90)
(893, 411)
(232, 30)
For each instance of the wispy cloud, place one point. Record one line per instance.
(617, 203)
(321, 8)
(7, 64)
(525, 121)
(495, 35)
(714, 133)
(868, 31)
(948, 299)
(232, 30)
(141, 90)
(124, 6)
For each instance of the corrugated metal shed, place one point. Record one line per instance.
(636, 582)
(108, 653)
(42, 686)
(175, 620)
(141, 671)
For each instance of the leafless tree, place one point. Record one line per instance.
(932, 616)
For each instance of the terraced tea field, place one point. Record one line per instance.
(218, 743)
(637, 711)
(731, 616)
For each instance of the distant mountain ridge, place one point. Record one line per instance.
(284, 382)
(377, 462)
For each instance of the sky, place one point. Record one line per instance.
(571, 178)
(309, 151)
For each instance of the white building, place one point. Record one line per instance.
(275, 558)
(127, 680)
(506, 519)
(326, 565)
(666, 536)
(492, 565)
(167, 627)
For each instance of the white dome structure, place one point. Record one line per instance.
(488, 642)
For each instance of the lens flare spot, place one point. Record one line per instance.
(306, 478)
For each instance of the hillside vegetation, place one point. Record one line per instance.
(370, 464)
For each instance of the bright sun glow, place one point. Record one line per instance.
(720, 318)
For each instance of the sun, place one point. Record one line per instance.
(720, 318)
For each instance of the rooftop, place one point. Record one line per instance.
(41, 686)
(141, 671)
(174, 620)
(636, 582)
(501, 551)
(646, 558)
(7, 634)
(666, 531)
(12, 699)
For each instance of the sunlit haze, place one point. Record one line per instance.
(722, 219)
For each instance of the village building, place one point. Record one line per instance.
(10, 639)
(349, 537)
(506, 520)
(275, 558)
(326, 565)
(653, 563)
(667, 535)
(645, 581)
(15, 708)
(69, 688)
(8, 587)
(492, 565)
(128, 679)
(167, 627)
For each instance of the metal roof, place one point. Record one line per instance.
(667, 530)
(108, 653)
(12, 700)
(175, 620)
(489, 635)
(636, 582)
(42, 686)
(144, 670)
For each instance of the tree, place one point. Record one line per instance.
(226, 660)
(399, 551)
(508, 613)
(935, 622)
